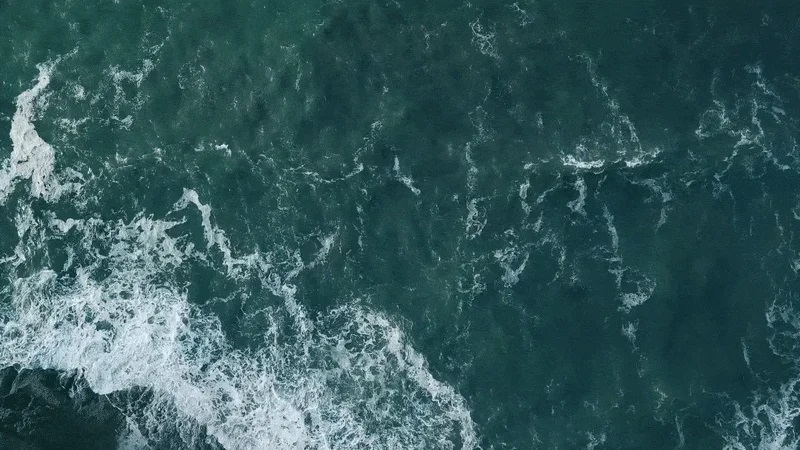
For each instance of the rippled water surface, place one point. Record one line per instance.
(407, 224)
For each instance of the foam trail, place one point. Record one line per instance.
(31, 158)
(405, 179)
(577, 205)
(214, 236)
(474, 221)
(507, 257)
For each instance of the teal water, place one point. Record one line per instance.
(406, 224)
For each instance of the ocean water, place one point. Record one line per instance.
(399, 224)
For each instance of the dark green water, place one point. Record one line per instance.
(407, 224)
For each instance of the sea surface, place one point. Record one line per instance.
(357, 224)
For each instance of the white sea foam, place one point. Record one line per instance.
(472, 168)
(769, 421)
(483, 39)
(476, 220)
(572, 161)
(744, 119)
(635, 288)
(615, 142)
(642, 294)
(746, 354)
(658, 187)
(215, 237)
(122, 319)
(335, 383)
(642, 158)
(405, 179)
(523, 196)
(578, 204)
(513, 264)
(595, 440)
(612, 230)
(525, 18)
(629, 331)
(32, 158)
(119, 77)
